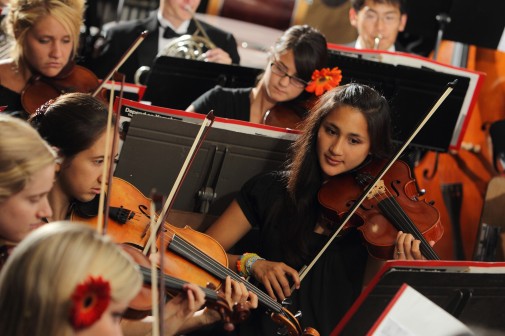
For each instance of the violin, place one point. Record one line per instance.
(129, 222)
(393, 205)
(141, 305)
(283, 116)
(191, 256)
(40, 89)
(289, 114)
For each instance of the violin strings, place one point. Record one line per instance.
(175, 283)
(191, 252)
(390, 205)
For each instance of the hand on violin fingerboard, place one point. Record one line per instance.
(182, 307)
(408, 248)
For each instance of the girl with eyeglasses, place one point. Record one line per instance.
(293, 59)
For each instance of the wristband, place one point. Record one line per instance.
(245, 262)
(250, 262)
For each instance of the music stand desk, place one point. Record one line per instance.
(473, 292)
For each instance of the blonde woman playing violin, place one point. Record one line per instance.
(46, 34)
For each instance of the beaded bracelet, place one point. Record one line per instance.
(245, 262)
(250, 262)
(241, 264)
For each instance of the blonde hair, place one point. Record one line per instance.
(24, 14)
(42, 273)
(22, 153)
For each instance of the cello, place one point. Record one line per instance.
(457, 181)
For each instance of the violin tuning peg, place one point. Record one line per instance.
(422, 192)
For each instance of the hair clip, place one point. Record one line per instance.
(88, 302)
(41, 110)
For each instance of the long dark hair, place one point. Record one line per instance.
(305, 177)
(72, 122)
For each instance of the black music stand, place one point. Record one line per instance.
(473, 292)
(411, 92)
(155, 149)
(176, 82)
(479, 23)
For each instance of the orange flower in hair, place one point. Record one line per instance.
(89, 300)
(324, 80)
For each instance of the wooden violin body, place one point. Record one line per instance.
(141, 305)
(392, 206)
(190, 255)
(130, 223)
(40, 89)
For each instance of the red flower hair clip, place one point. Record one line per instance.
(89, 300)
(324, 80)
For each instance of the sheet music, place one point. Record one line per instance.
(410, 314)
(501, 44)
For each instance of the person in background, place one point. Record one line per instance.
(27, 167)
(293, 59)
(378, 23)
(348, 128)
(46, 35)
(172, 19)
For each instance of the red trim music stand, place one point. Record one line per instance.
(473, 292)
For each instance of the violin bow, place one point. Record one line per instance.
(123, 59)
(202, 133)
(450, 86)
(109, 167)
(157, 325)
(105, 169)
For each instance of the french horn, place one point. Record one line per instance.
(186, 46)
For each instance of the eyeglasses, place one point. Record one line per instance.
(293, 80)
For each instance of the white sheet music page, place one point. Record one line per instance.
(412, 314)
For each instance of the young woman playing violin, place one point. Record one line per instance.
(348, 127)
(27, 166)
(75, 124)
(295, 56)
(46, 36)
